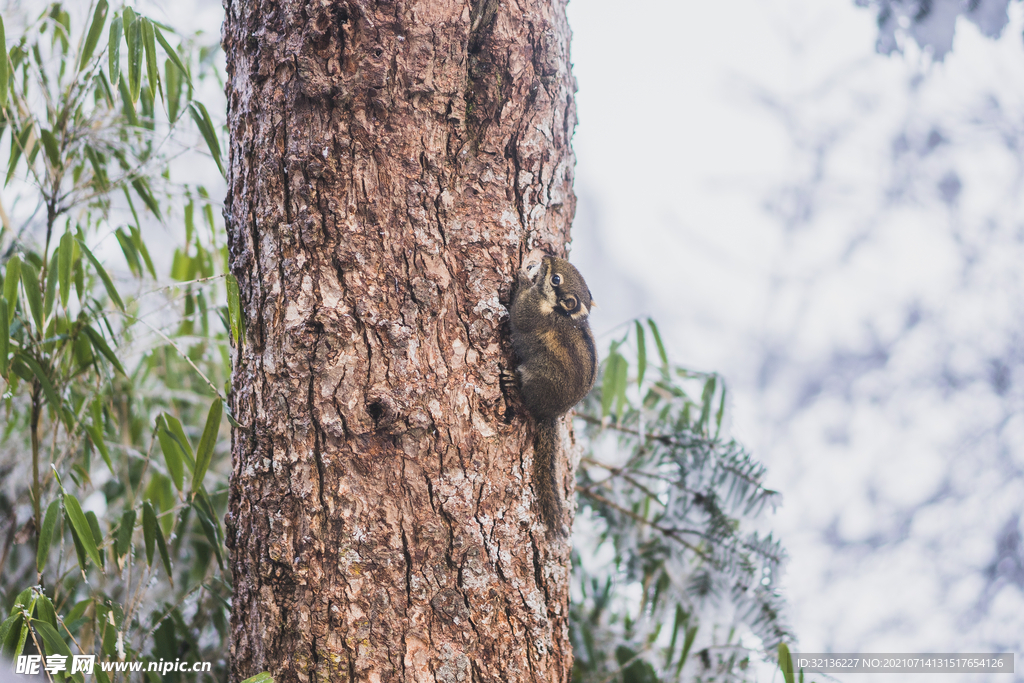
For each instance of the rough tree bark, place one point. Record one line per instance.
(391, 165)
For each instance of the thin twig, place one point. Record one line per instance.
(671, 533)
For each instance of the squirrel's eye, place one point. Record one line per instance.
(556, 279)
(570, 303)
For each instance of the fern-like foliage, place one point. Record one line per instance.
(674, 577)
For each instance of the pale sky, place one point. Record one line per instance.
(839, 234)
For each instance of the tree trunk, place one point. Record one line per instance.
(391, 166)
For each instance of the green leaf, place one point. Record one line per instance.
(107, 282)
(142, 188)
(11, 278)
(172, 84)
(786, 663)
(209, 439)
(46, 534)
(171, 54)
(705, 403)
(172, 453)
(621, 381)
(691, 635)
(10, 630)
(50, 145)
(97, 534)
(17, 148)
(721, 412)
(52, 397)
(99, 17)
(133, 35)
(174, 427)
(609, 387)
(165, 557)
(54, 643)
(51, 286)
(5, 338)
(124, 534)
(30, 283)
(82, 528)
(152, 66)
(64, 262)
(202, 119)
(658, 342)
(100, 344)
(209, 527)
(262, 677)
(114, 50)
(4, 72)
(96, 433)
(641, 353)
(149, 530)
(143, 251)
(234, 309)
(131, 254)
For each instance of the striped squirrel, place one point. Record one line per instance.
(556, 365)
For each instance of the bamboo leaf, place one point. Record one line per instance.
(149, 529)
(142, 188)
(691, 635)
(133, 36)
(124, 534)
(658, 343)
(209, 439)
(55, 645)
(107, 282)
(114, 50)
(202, 119)
(64, 262)
(171, 54)
(100, 344)
(172, 84)
(51, 286)
(609, 386)
(46, 534)
(174, 427)
(5, 338)
(131, 253)
(209, 528)
(705, 403)
(786, 663)
(721, 412)
(152, 66)
(234, 309)
(97, 534)
(96, 433)
(30, 283)
(52, 397)
(165, 557)
(99, 17)
(172, 453)
(641, 354)
(82, 527)
(11, 278)
(4, 71)
(621, 381)
(9, 632)
(17, 147)
(50, 145)
(143, 251)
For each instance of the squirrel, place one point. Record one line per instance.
(556, 364)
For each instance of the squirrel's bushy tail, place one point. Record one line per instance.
(545, 482)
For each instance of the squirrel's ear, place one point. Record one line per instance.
(593, 304)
